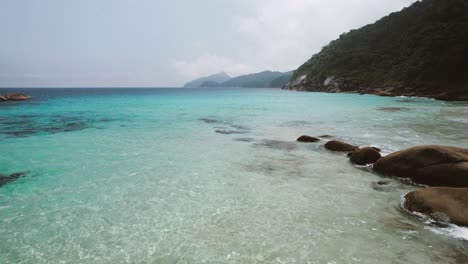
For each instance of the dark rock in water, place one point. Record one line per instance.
(295, 123)
(365, 156)
(393, 109)
(277, 144)
(430, 165)
(325, 136)
(17, 96)
(211, 121)
(244, 139)
(12, 177)
(306, 138)
(336, 145)
(240, 127)
(29, 125)
(228, 131)
(385, 186)
(440, 203)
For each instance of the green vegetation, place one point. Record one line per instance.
(424, 46)
(281, 80)
(265, 79)
(209, 80)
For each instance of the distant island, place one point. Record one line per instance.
(265, 79)
(215, 78)
(419, 51)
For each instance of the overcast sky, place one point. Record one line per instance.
(129, 43)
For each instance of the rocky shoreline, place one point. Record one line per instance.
(14, 97)
(340, 85)
(443, 169)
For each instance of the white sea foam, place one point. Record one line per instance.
(448, 229)
(454, 231)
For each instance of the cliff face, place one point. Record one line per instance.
(419, 51)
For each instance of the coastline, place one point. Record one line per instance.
(385, 92)
(225, 167)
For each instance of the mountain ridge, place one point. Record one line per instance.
(418, 51)
(264, 79)
(218, 77)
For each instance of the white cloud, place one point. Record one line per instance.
(287, 33)
(283, 34)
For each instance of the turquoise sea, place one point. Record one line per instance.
(215, 176)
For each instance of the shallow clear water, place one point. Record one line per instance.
(214, 176)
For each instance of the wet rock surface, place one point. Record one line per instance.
(308, 139)
(364, 156)
(14, 97)
(17, 96)
(431, 165)
(336, 145)
(440, 203)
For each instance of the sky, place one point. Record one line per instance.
(155, 43)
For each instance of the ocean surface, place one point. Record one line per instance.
(215, 176)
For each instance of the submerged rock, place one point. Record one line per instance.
(306, 138)
(440, 203)
(229, 131)
(325, 136)
(12, 177)
(385, 186)
(17, 96)
(244, 139)
(431, 165)
(277, 144)
(336, 145)
(364, 156)
(393, 109)
(211, 121)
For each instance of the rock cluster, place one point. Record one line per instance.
(443, 168)
(334, 84)
(14, 97)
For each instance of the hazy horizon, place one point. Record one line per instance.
(119, 43)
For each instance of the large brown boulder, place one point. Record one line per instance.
(364, 156)
(431, 165)
(440, 203)
(308, 139)
(3, 98)
(17, 96)
(336, 145)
